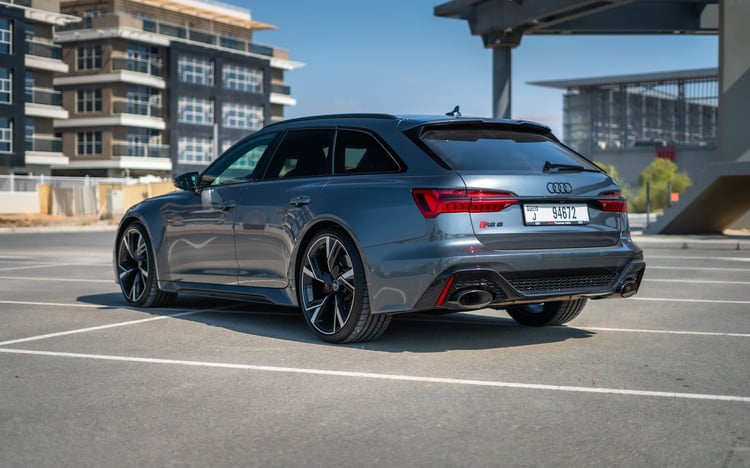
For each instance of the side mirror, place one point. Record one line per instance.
(187, 181)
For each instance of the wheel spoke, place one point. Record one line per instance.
(312, 269)
(317, 308)
(339, 314)
(346, 279)
(333, 250)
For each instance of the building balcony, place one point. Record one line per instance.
(282, 94)
(140, 150)
(138, 66)
(281, 89)
(44, 144)
(46, 97)
(137, 108)
(41, 49)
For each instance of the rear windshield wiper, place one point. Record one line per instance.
(548, 166)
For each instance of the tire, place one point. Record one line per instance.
(332, 291)
(547, 313)
(137, 269)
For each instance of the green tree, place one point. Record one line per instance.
(658, 175)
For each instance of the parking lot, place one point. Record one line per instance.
(656, 380)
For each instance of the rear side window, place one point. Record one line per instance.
(493, 149)
(360, 153)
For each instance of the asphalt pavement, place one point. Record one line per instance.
(660, 379)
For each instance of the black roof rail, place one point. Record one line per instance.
(335, 116)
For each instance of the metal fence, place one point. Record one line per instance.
(16, 183)
(74, 196)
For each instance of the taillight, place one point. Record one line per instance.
(612, 201)
(432, 202)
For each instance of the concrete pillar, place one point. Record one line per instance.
(734, 80)
(501, 68)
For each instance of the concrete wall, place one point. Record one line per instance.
(19, 203)
(630, 163)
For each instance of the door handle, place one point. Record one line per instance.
(228, 205)
(299, 201)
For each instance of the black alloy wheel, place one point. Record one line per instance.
(136, 270)
(547, 313)
(333, 291)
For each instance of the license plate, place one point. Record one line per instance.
(545, 215)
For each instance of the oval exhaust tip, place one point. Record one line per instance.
(628, 289)
(473, 299)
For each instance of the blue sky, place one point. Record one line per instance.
(397, 57)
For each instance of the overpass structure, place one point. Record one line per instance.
(501, 24)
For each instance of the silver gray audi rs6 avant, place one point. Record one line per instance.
(355, 218)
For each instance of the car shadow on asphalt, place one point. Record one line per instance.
(415, 332)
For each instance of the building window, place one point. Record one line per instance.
(195, 150)
(242, 116)
(195, 110)
(89, 143)
(242, 78)
(6, 85)
(195, 70)
(29, 85)
(6, 36)
(144, 59)
(89, 57)
(89, 100)
(6, 135)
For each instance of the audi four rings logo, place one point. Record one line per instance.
(559, 187)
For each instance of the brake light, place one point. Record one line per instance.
(612, 201)
(432, 202)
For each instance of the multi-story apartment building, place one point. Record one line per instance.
(163, 86)
(29, 104)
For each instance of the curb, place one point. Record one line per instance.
(692, 242)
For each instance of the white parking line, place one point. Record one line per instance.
(652, 280)
(100, 327)
(701, 259)
(676, 268)
(42, 265)
(54, 304)
(666, 332)
(394, 377)
(72, 280)
(669, 299)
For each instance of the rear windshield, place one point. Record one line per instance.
(500, 149)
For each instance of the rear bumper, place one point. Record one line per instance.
(462, 274)
(474, 288)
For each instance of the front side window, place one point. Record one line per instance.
(89, 143)
(195, 150)
(500, 149)
(89, 57)
(196, 70)
(6, 36)
(302, 153)
(89, 100)
(242, 78)
(241, 116)
(239, 163)
(6, 135)
(195, 110)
